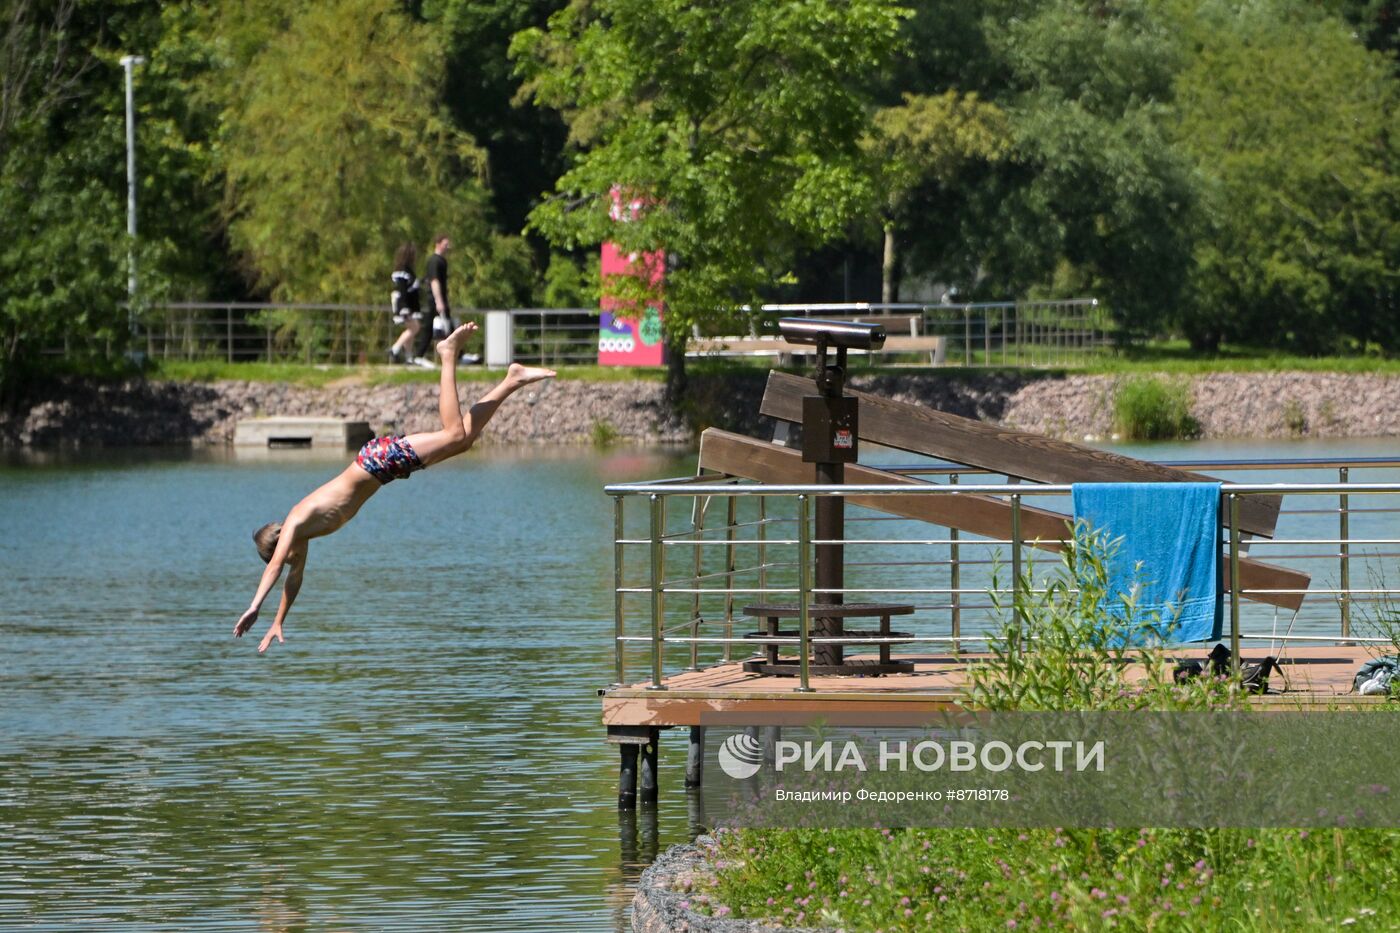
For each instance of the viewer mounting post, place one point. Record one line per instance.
(830, 439)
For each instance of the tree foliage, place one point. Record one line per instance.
(334, 148)
(62, 196)
(928, 141)
(1212, 168)
(735, 123)
(1293, 129)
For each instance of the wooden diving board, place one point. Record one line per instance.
(988, 516)
(922, 430)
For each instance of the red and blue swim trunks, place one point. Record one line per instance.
(388, 458)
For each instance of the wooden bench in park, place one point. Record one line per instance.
(903, 335)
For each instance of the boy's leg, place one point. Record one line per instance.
(517, 376)
(436, 446)
(460, 431)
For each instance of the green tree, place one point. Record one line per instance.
(735, 123)
(525, 144)
(1293, 128)
(63, 242)
(928, 140)
(1094, 198)
(334, 150)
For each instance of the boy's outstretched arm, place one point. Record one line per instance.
(269, 579)
(295, 565)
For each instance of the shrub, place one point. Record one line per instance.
(603, 433)
(1071, 643)
(1151, 409)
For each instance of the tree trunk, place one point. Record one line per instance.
(675, 369)
(888, 294)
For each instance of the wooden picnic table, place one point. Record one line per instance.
(830, 624)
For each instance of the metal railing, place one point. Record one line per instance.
(763, 548)
(1064, 332)
(342, 334)
(1027, 333)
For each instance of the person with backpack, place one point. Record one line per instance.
(404, 300)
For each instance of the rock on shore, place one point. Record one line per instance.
(139, 412)
(666, 888)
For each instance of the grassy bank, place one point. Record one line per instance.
(1157, 359)
(1061, 648)
(308, 375)
(1138, 879)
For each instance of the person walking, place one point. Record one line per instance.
(404, 300)
(435, 277)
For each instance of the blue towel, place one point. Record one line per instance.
(1173, 529)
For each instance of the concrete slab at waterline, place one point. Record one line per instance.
(289, 431)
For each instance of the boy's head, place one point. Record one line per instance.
(266, 540)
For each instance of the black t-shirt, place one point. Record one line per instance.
(437, 271)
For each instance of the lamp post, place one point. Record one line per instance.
(129, 62)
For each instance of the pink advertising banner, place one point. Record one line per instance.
(628, 336)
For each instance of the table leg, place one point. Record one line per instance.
(773, 633)
(885, 648)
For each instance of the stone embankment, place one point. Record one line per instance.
(670, 888)
(138, 412)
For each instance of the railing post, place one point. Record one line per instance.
(763, 548)
(731, 515)
(967, 337)
(228, 333)
(619, 646)
(1003, 337)
(345, 319)
(697, 524)
(804, 592)
(955, 579)
(1016, 551)
(658, 572)
(1344, 524)
(1235, 585)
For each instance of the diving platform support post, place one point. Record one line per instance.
(638, 750)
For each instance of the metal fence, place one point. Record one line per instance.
(341, 334)
(980, 334)
(710, 544)
(1049, 333)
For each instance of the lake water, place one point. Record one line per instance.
(424, 752)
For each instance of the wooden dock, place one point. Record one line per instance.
(1313, 678)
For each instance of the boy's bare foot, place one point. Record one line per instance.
(449, 346)
(524, 375)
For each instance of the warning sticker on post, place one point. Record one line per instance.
(844, 440)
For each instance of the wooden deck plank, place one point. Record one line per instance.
(1318, 676)
(923, 430)
(737, 455)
